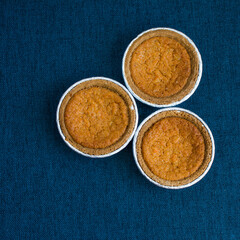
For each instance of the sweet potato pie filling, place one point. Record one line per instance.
(173, 148)
(160, 66)
(96, 117)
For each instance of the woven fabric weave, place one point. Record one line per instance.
(50, 192)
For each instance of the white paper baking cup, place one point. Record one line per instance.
(135, 152)
(186, 96)
(77, 150)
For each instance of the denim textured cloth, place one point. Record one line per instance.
(50, 192)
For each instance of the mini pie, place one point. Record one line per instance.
(97, 117)
(173, 148)
(161, 66)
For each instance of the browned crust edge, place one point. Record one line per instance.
(207, 140)
(113, 87)
(192, 80)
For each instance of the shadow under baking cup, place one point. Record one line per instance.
(208, 154)
(192, 81)
(114, 86)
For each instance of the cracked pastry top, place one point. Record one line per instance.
(173, 148)
(97, 116)
(162, 67)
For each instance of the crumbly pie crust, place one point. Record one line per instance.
(191, 81)
(131, 112)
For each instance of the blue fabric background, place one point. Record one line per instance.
(50, 192)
